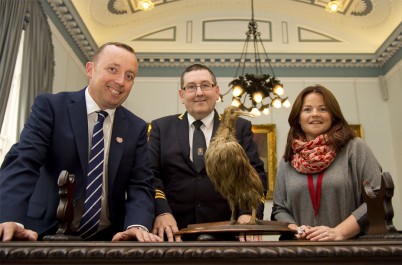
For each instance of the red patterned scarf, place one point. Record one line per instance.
(313, 156)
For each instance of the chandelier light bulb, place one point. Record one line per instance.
(286, 104)
(255, 112)
(277, 103)
(265, 111)
(258, 96)
(237, 91)
(278, 89)
(236, 102)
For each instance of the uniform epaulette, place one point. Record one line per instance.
(159, 194)
(181, 116)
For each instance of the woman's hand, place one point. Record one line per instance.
(301, 231)
(323, 233)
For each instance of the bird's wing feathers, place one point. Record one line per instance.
(229, 169)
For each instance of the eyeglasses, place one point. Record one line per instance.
(191, 87)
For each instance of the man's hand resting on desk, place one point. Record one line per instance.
(14, 231)
(165, 223)
(138, 234)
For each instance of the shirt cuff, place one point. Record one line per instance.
(139, 227)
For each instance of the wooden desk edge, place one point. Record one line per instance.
(278, 252)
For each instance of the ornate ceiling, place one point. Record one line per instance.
(296, 33)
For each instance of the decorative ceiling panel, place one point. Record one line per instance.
(298, 33)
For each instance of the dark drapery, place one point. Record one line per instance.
(12, 15)
(37, 61)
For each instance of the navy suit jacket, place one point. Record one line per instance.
(190, 196)
(55, 138)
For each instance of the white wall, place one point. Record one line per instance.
(360, 99)
(394, 89)
(69, 72)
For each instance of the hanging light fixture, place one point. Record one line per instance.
(145, 5)
(259, 90)
(334, 6)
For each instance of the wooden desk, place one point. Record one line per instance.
(282, 252)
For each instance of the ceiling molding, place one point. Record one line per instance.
(73, 24)
(352, 7)
(308, 35)
(121, 7)
(167, 34)
(209, 32)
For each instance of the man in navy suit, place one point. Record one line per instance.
(185, 195)
(57, 137)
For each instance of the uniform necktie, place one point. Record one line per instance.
(199, 146)
(92, 206)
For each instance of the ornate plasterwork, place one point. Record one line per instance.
(72, 23)
(120, 7)
(362, 8)
(352, 7)
(378, 60)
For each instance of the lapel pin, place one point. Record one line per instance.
(119, 140)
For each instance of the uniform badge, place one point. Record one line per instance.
(200, 151)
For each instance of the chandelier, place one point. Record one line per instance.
(259, 91)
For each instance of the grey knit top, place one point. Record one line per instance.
(341, 188)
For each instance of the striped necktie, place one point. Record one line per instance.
(92, 206)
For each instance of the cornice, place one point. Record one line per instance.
(72, 23)
(75, 27)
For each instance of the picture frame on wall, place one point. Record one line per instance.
(357, 128)
(265, 138)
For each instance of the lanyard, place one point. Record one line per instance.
(315, 195)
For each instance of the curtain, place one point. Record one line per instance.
(12, 16)
(37, 62)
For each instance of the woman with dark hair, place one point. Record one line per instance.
(319, 179)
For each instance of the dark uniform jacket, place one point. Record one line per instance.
(180, 190)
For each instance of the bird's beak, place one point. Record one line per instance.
(245, 113)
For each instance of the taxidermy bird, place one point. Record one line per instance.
(229, 168)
